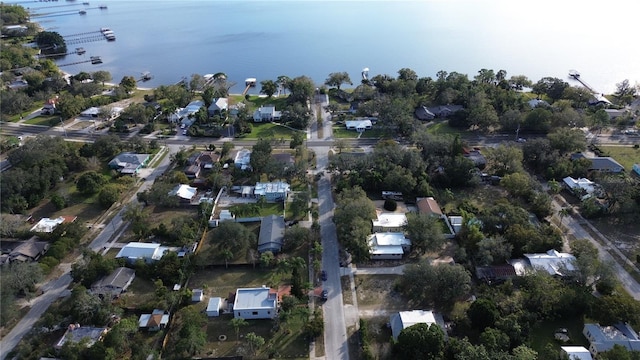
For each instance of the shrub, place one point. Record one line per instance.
(58, 202)
(390, 205)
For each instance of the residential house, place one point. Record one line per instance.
(185, 193)
(576, 352)
(271, 236)
(456, 222)
(388, 245)
(129, 163)
(76, 333)
(29, 250)
(581, 187)
(115, 283)
(495, 272)
(534, 103)
(603, 338)
(600, 163)
(424, 114)
(186, 112)
(553, 262)
(255, 303)
(148, 252)
(214, 306)
(197, 295)
(242, 159)
(218, 106)
(192, 171)
(428, 206)
(636, 169)
(90, 113)
(204, 159)
(156, 321)
(389, 222)
(266, 113)
(616, 113)
(272, 191)
(405, 319)
(47, 225)
(284, 158)
(358, 125)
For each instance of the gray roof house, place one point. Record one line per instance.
(30, 250)
(115, 283)
(601, 163)
(271, 234)
(76, 333)
(425, 113)
(603, 338)
(129, 163)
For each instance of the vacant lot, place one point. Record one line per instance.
(376, 294)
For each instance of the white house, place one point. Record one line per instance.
(214, 306)
(405, 319)
(184, 192)
(581, 187)
(388, 246)
(146, 251)
(266, 113)
(46, 225)
(218, 105)
(255, 303)
(242, 160)
(358, 125)
(603, 338)
(577, 352)
(389, 222)
(197, 295)
(272, 191)
(553, 262)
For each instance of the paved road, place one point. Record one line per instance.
(574, 224)
(58, 288)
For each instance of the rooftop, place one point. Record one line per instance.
(429, 206)
(392, 220)
(389, 239)
(254, 298)
(553, 262)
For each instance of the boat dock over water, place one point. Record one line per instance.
(108, 34)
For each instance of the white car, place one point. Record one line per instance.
(521, 140)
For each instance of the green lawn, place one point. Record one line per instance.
(340, 132)
(442, 128)
(625, 155)
(543, 333)
(268, 130)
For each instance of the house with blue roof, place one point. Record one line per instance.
(603, 338)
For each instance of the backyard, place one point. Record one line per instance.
(625, 155)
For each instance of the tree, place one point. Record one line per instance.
(567, 140)
(255, 342)
(301, 89)
(337, 79)
(50, 42)
(440, 285)
(191, 336)
(90, 182)
(493, 250)
(226, 255)
(237, 323)
(21, 277)
(300, 203)
(108, 195)
(296, 115)
(425, 232)
(101, 76)
(296, 236)
(618, 352)
(483, 313)
(233, 236)
(261, 156)
(504, 160)
(269, 87)
(517, 184)
(625, 93)
(352, 217)
(421, 341)
(297, 139)
(494, 340)
(552, 87)
(128, 83)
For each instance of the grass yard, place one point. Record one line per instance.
(140, 292)
(625, 155)
(347, 296)
(268, 130)
(443, 127)
(375, 292)
(340, 132)
(220, 281)
(256, 101)
(380, 336)
(44, 120)
(543, 334)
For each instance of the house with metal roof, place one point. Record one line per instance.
(156, 321)
(255, 303)
(242, 159)
(603, 338)
(115, 283)
(581, 187)
(576, 352)
(76, 333)
(271, 236)
(272, 191)
(148, 252)
(389, 222)
(128, 163)
(358, 125)
(185, 193)
(601, 163)
(214, 306)
(47, 225)
(405, 319)
(553, 262)
(388, 245)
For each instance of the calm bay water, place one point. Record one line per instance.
(265, 39)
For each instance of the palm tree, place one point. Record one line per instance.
(566, 211)
(236, 323)
(226, 255)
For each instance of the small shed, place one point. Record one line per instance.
(214, 306)
(197, 295)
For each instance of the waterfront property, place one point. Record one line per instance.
(266, 113)
(255, 303)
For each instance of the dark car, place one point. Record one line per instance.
(324, 295)
(323, 275)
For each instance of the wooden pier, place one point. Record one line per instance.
(249, 82)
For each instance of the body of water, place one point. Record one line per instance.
(265, 39)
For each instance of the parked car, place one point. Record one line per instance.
(522, 140)
(323, 275)
(184, 132)
(324, 295)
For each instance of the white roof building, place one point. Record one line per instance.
(577, 352)
(358, 125)
(255, 303)
(146, 251)
(580, 186)
(184, 192)
(214, 306)
(243, 159)
(405, 319)
(272, 191)
(389, 222)
(553, 262)
(47, 225)
(388, 245)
